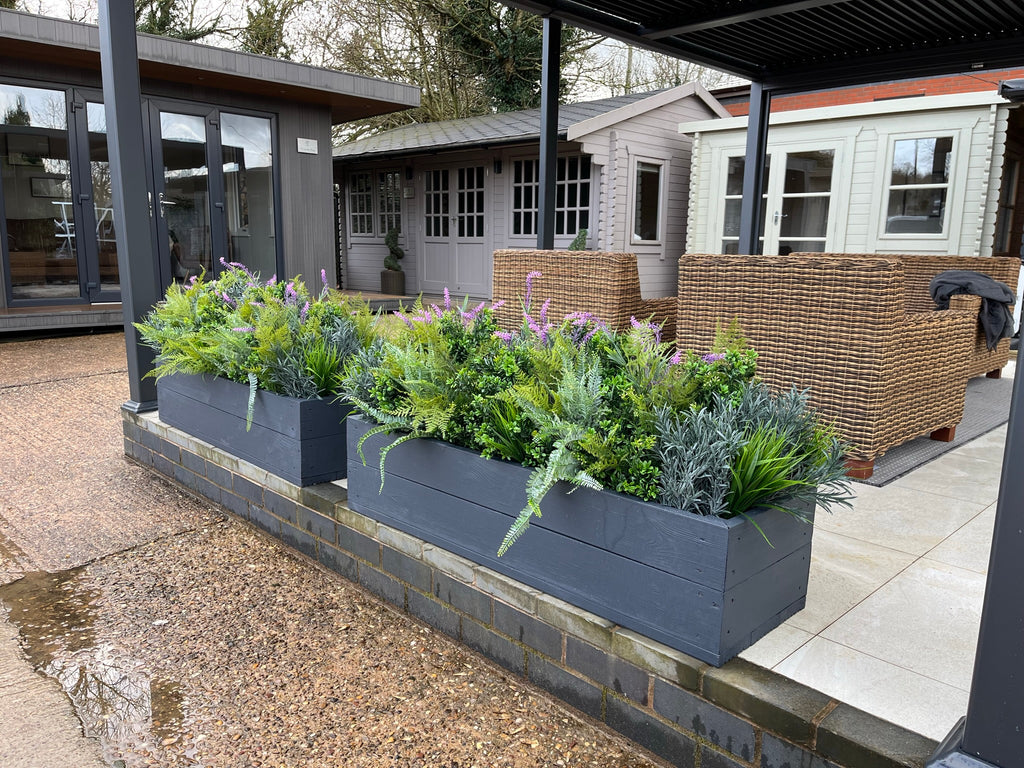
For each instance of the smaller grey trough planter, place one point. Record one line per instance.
(301, 441)
(703, 585)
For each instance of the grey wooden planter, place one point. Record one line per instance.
(301, 441)
(702, 585)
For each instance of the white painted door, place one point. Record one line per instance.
(456, 253)
(797, 193)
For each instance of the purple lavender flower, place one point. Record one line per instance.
(713, 357)
(498, 303)
(544, 311)
(677, 358)
(290, 294)
(447, 300)
(304, 312)
(227, 299)
(529, 286)
(323, 278)
(244, 329)
(401, 316)
(505, 336)
(193, 280)
(272, 281)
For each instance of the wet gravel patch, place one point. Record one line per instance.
(220, 647)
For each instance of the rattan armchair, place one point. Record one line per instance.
(840, 328)
(604, 283)
(919, 271)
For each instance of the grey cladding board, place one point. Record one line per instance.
(588, 555)
(301, 441)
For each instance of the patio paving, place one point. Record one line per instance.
(896, 583)
(895, 595)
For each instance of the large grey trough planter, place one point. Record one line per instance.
(301, 441)
(703, 585)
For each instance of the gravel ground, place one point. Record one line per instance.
(213, 645)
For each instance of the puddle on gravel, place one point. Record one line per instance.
(116, 700)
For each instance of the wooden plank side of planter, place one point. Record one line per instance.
(664, 538)
(275, 442)
(662, 606)
(287, 415)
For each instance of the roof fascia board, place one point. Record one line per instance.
(845, 111)
(49, 32)
(591, 125)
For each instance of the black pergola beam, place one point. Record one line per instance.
(666, 28)
(550, 75)
(136, 262)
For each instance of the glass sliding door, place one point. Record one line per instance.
(248, 165)
(182, 199)
(42, 247)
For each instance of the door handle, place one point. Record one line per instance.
(777, 216)
(164, 202)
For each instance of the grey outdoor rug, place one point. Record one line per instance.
(986, 406)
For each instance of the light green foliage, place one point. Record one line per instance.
(270, 335)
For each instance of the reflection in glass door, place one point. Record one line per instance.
(182, 200)
(248, 163)
(104, 281)
(38, 207)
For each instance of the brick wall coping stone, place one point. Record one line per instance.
(681, 709)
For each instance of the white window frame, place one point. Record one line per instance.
(664, 169)
(388, 214)
(950, 185)
(366, 216)
(563, 185)
(378, 213)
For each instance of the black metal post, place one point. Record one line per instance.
(752, 203)
(140, 283)
(550, 75)
(991, 736)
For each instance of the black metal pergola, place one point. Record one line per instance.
(803, 45)
(782, 47)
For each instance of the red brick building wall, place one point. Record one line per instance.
(932, 86)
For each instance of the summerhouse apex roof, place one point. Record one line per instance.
(574, 120)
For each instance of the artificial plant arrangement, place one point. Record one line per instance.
(392, 278)
(604, 410)
(272, 335)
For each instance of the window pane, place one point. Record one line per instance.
(648, 202)
(41, 230)
(389, 201)
(249, 191)
(102, 200)
(361, 204)
(734, 176)
(922, 161)
(804, 217)
(918, 211)
(809, 171)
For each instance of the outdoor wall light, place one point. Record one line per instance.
(1012, 90)
(497, 166)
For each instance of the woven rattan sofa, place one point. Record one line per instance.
(840, 327)
(604, 283)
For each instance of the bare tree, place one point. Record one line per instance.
(620, 69)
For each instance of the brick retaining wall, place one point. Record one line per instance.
(687, 712)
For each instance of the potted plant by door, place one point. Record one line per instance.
(676, 489)
(254, 368)
(392, 278)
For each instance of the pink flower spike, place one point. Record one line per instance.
(677, 358)
(529, 285)
(544, 311)
(447, 300)
(272, 281)
(401, 316)
(498, 303)
(323, 277)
